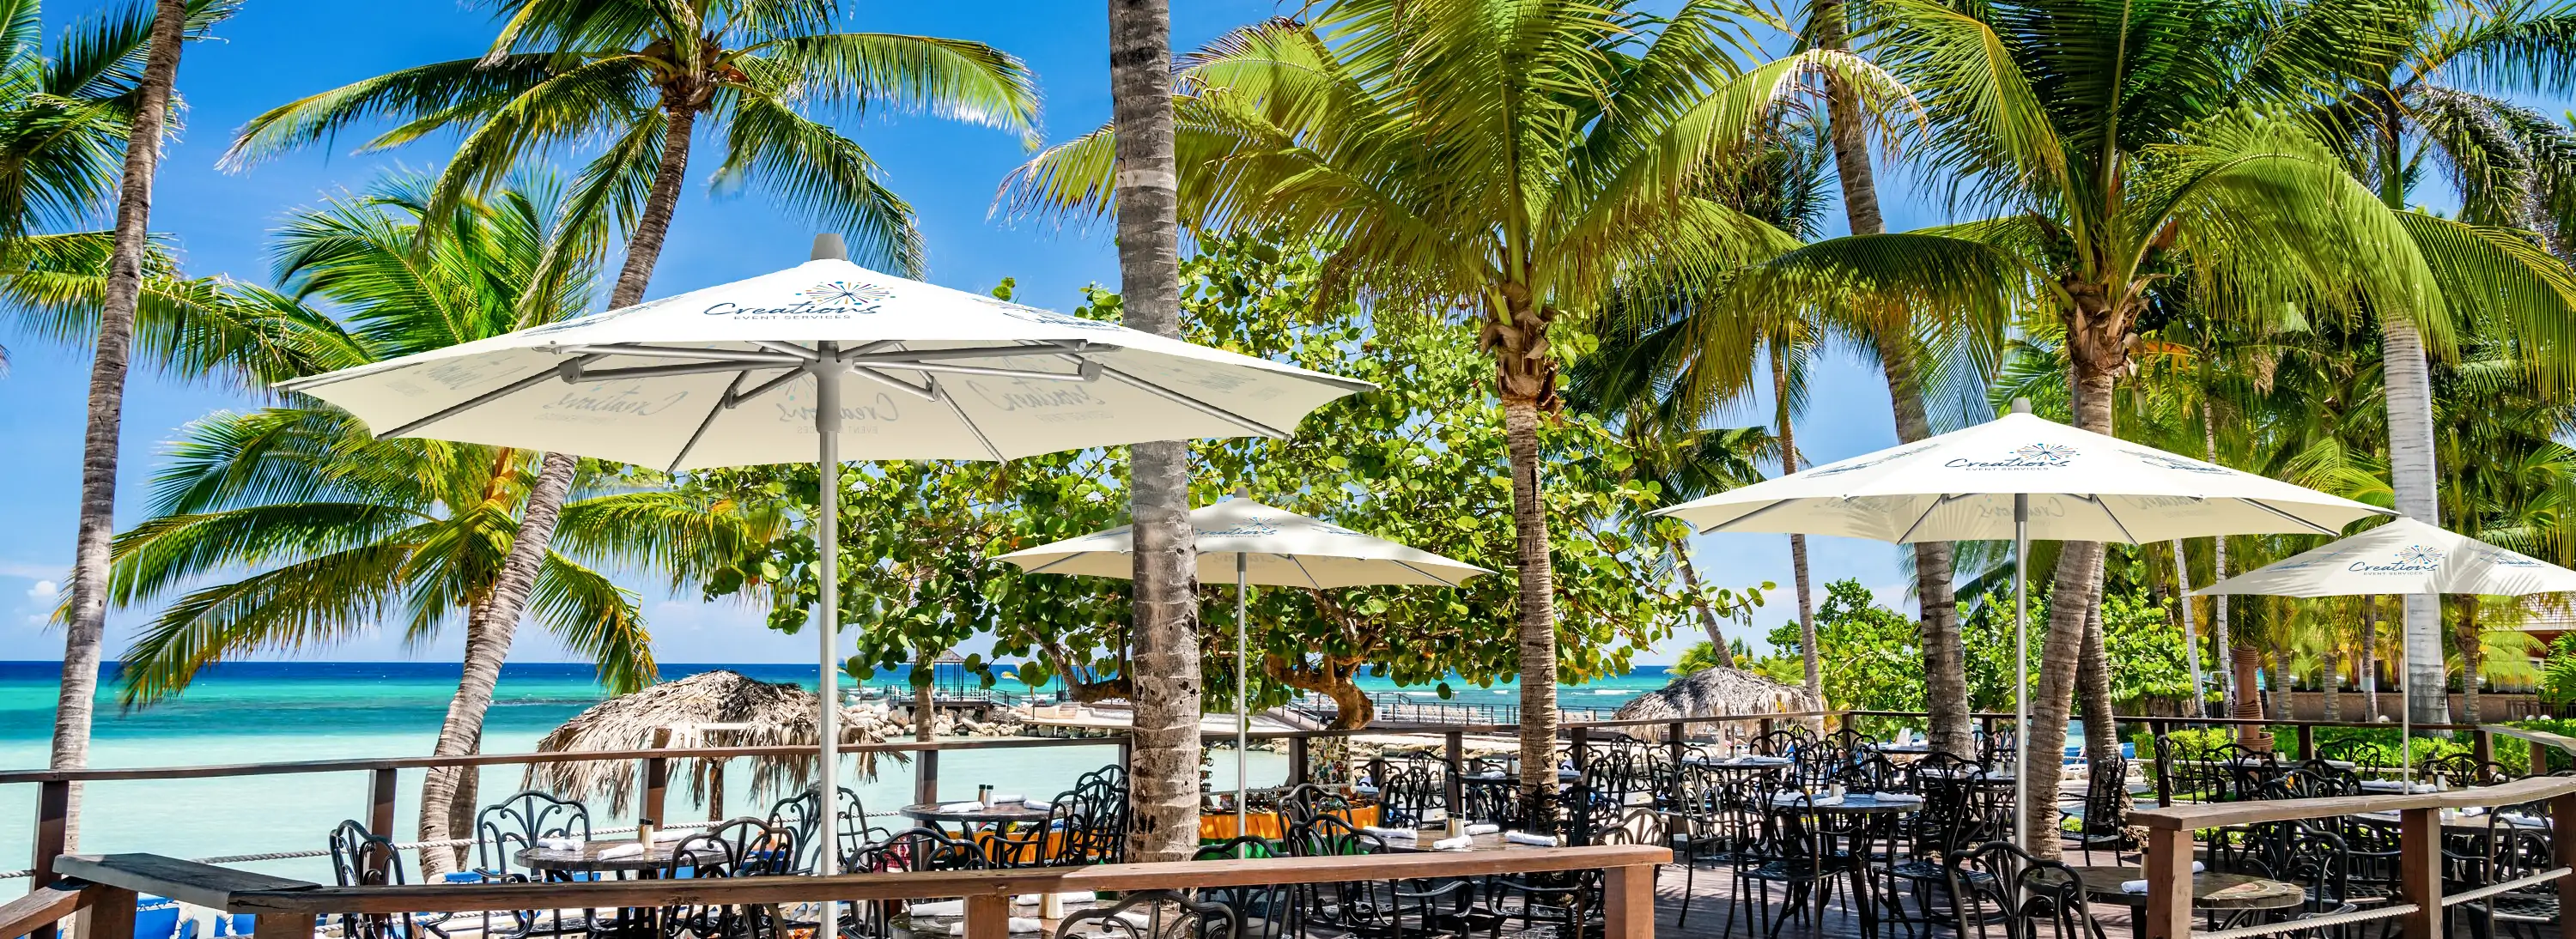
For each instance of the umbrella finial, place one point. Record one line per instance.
(2021, 406)
(1243, 492)
(828, 247)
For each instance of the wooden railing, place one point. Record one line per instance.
(2419, 903)
(1628, 886)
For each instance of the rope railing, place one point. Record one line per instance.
(2327, 921)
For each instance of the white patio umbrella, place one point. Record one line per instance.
(2022, 477)
(781, 367)
(2402, 557)
(1264, 545)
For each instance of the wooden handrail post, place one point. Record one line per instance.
(1580, 750)
(2482, 745)
(1297, 771)
(925, 775)
(2562, 818)
(2307, 742)
(2168, 869)
(109, 914)
(657, 788)
(2539, 761)
(380, 813)
(988, 916)
(53, 824)
(2419, 871)
(1454, 749)
(1628, 902)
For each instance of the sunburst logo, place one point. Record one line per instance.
(2411, 559)
(845, 293)
(2046, 452)
(2418, 554)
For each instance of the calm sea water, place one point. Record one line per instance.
(269, 712)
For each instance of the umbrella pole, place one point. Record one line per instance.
(2021, 670)
(2406, 723)
(1242, 693)
(827, 430)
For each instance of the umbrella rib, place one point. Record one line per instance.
(942, 396)
(735, 401)
(1193, 403)
(648, 350)
(1407, 565)
(722, 401)
(1301, 569)
(1937, 503)
(2098, 503)
(788, 348)
(1773, 504)
(2319, 529)
(1067, 559)
(482, 399)
(926, 394)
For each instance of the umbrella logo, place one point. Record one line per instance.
(2037, 456)
(2172, 462)
(1252, 527)
(2411, 559)
(844, 293)
(829, 300)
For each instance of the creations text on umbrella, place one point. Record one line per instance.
(781, 367)
(2402, 557)
(1265, 545)
(2022, 477)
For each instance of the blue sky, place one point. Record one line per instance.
(279, 50)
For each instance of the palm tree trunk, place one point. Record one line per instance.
(2410, 470)
(517, 579)
(2369, 657)
(85, 632)
(487, 645)
(2473, 655)
(1945, 657)
(1537, 597)
(1707, 615)
(2077, 591)
(2190, 630)
(2093, 685)
(2218, 631)
(1164, 792)
(2332, 687)
(2245, 660)
(1797, 543)
(925, 698)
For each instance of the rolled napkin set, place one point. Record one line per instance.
(1483, 828)
(960, 806)
(1897, 798)
(2140, 886)
(615, 851)
(1006, 799)
(1037, 804)
(560, 844)
(1393, 834)
(1460, 843)
(1523, 837)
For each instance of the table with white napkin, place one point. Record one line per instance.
(954, 807)
(1394, 834)
(616, 851)
(2140, 886)
(560, 844)
(1523, 837)
(1460, 843)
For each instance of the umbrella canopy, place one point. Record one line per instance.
(753, 713)
(726, 376)
(2081, 486)
(2404, 556)
(1279, 548)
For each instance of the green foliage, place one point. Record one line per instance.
(1700, 657)
(2558, 672)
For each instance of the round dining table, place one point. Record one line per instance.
(604, 857)
(980, 817)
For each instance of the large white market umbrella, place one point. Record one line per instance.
(1264, 545)
(2021, 477)
(782, 367)
(2404, 556)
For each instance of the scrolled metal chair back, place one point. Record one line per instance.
(1997, 887)
(360, 858)
(503, 829)
(1156, 914)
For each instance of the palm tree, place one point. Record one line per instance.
(64, 119)
(2439, 102)
(2127, 144)
(343, 532)
(1521, 160)
(640, 74)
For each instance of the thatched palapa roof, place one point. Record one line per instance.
(1719, 692)
(718, 708)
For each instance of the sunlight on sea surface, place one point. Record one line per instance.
(275, 712)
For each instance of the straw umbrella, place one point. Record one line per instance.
(751, 712)
(1716, 692)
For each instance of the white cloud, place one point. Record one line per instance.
(43, 591)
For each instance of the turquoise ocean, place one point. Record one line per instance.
(284, 711)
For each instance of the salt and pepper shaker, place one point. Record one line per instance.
(984, 794)
(644, 830)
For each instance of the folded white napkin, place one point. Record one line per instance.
(615, 851)
(1523, 837)
(1365, 790)
(1394, 834)
(2197, 867)
(1898, 798)
(2473, 811)
(1033, 899)
(1033, 803)
(1826, 800)
(999, 799)
(1019, 924)
(1483, 828)
(940, 908)
(2133, 886)
(960, 806)
(559, 844)
(1460, 843)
